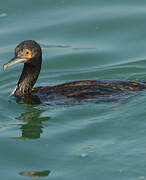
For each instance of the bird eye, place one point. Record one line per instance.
(26, 53)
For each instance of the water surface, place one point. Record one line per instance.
(81, 40)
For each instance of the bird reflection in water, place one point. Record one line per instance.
(33, 127)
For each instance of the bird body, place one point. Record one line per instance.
(29, 52)
(89, 88)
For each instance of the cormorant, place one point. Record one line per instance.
(29, 52)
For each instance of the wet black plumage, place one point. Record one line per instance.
(29, 52)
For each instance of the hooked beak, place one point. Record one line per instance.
(13, 61)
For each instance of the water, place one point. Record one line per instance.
(81, 39)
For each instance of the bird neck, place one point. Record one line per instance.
(28, 78)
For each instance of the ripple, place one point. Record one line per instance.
(36, 174)
(3, 15)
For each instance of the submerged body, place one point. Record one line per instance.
(29, 52)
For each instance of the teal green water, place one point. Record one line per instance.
(81, 39)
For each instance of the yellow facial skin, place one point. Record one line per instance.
(26, 53)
